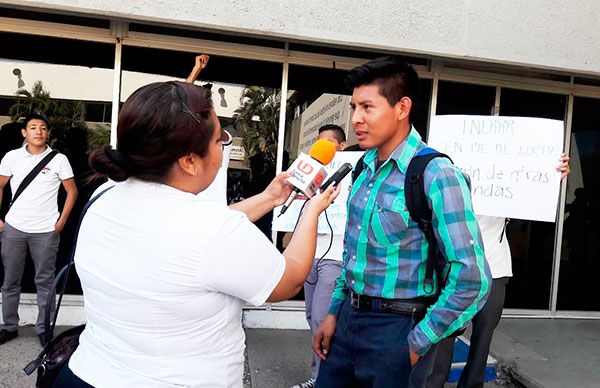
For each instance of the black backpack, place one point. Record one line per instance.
(420, 212)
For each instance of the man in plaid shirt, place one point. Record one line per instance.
(384, 320)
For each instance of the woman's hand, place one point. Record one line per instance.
(563, 167)
(321, 201)
(279, 189)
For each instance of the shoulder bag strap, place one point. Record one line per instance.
(32, 174)
(64, 276)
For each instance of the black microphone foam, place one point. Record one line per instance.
(338, 176)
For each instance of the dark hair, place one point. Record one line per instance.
(158, 124)
(340, 135)
(396, 79)
(35, 116)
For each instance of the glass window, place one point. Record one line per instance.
(70, 82)
(531, 242)
(420, 115)
(515, 102)
(316, 97)
(246, 96)
(455, 98)
(580, 255)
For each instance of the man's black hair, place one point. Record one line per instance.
(340, 135)
(35, 116)
(396, 79)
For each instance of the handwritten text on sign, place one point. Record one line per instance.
(336, 212)
(511, 161)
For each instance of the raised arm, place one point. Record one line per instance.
(201, 62)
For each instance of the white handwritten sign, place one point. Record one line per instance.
(336, 212)
(511, 161)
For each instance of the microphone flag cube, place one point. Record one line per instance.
(307, 174)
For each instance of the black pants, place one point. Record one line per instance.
(484, 324)
(67, 379)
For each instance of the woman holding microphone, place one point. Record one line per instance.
(164, 273)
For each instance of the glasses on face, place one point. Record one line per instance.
(226, 138)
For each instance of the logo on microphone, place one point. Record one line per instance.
(304, 167)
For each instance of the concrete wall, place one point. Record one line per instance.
(552, 34)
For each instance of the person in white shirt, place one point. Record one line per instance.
(217, 191)
(164, 272)
(497, 253)
(321, 280)
(33, 223)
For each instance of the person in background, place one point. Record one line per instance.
(497, 253)
(164, 272)
(33, 223)
(384, 322)
(218, 189)
(321, 280)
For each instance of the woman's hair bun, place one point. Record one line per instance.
(110, 162)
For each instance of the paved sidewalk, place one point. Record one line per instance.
(14, 355)
(535, 352)
(547, 353)
(281, 358)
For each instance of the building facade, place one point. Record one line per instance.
(277, 67)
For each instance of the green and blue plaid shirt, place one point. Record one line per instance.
(385, 252)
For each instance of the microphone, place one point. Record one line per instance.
(337, 176)
(308, 172)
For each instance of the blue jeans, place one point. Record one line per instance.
(370, 349)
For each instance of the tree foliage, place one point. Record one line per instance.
(66, 118)
(258, 119)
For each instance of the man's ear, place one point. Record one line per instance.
(403, 108)
(24, 132)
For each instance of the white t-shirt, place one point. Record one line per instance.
(337, 247)
(165, 275)
(36, 209)
(497, 252)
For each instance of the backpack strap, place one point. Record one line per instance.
(32, 174)
(421, 213)
(360, 166)
(419, 210)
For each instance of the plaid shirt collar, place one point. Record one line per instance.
(401, 155)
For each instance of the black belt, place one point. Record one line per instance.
(398, 306)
